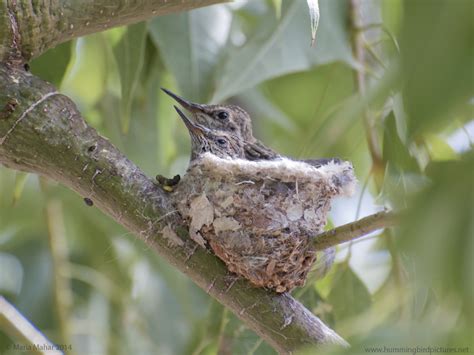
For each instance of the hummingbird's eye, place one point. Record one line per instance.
(222, 142)
(222, 115)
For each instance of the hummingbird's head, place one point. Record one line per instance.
(227, 118)
(219, 143)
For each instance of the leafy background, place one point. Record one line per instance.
(85, 281)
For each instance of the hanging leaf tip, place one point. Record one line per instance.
(314, 16)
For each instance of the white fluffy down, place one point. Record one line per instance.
(339, 175)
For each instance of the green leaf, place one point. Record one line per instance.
(392, 15)
(20, 180)
(280, 47)
(11, 275)
(323, 109)
(394, 151)
(191, 46)
(437, 231)
(314, 16)
(437, 57)
(129, 53)
(277, 5)
(349, 296)
(261, 106)
(439, 149)
(85, 82)
(52, 65)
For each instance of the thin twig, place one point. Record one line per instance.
(361, 86)
(20, 329)
(355, 230)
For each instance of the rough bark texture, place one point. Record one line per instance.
(30, 27)
(41, 131)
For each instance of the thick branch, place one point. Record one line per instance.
(60, 21)
(354, 230)
(41, 131)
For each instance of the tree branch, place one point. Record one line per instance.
(41, 131)
(61, 21)
(354, 230)
(18, 327)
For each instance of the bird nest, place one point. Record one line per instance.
(260, 217)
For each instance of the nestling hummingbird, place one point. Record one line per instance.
(235, 120)
(240, 209)
(226, 131)
(205, 140)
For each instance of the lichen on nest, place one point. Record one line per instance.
(259, 216)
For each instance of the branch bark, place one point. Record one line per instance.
(42, 132)
(354, 230)
(60, 21)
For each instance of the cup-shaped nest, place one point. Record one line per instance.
(260, 217)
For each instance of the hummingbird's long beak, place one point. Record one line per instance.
(194, 128)
(188, 105)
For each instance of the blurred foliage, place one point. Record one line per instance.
(418, 70)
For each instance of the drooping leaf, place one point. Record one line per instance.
(129, 53)
(436, 48)
(394, 151)
(52, 65)
(191, 46)
(349, 296)
(280, 47)
(438, 230)
(314, 16)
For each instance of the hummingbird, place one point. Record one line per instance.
(226, 131)
(237, 121)
(220, 143)
(205, 140)
(231, 205)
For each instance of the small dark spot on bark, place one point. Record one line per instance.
(88, 202)
(9, 107)
(26, 66)
(91, 148)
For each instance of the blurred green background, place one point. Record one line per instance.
(85, 281)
